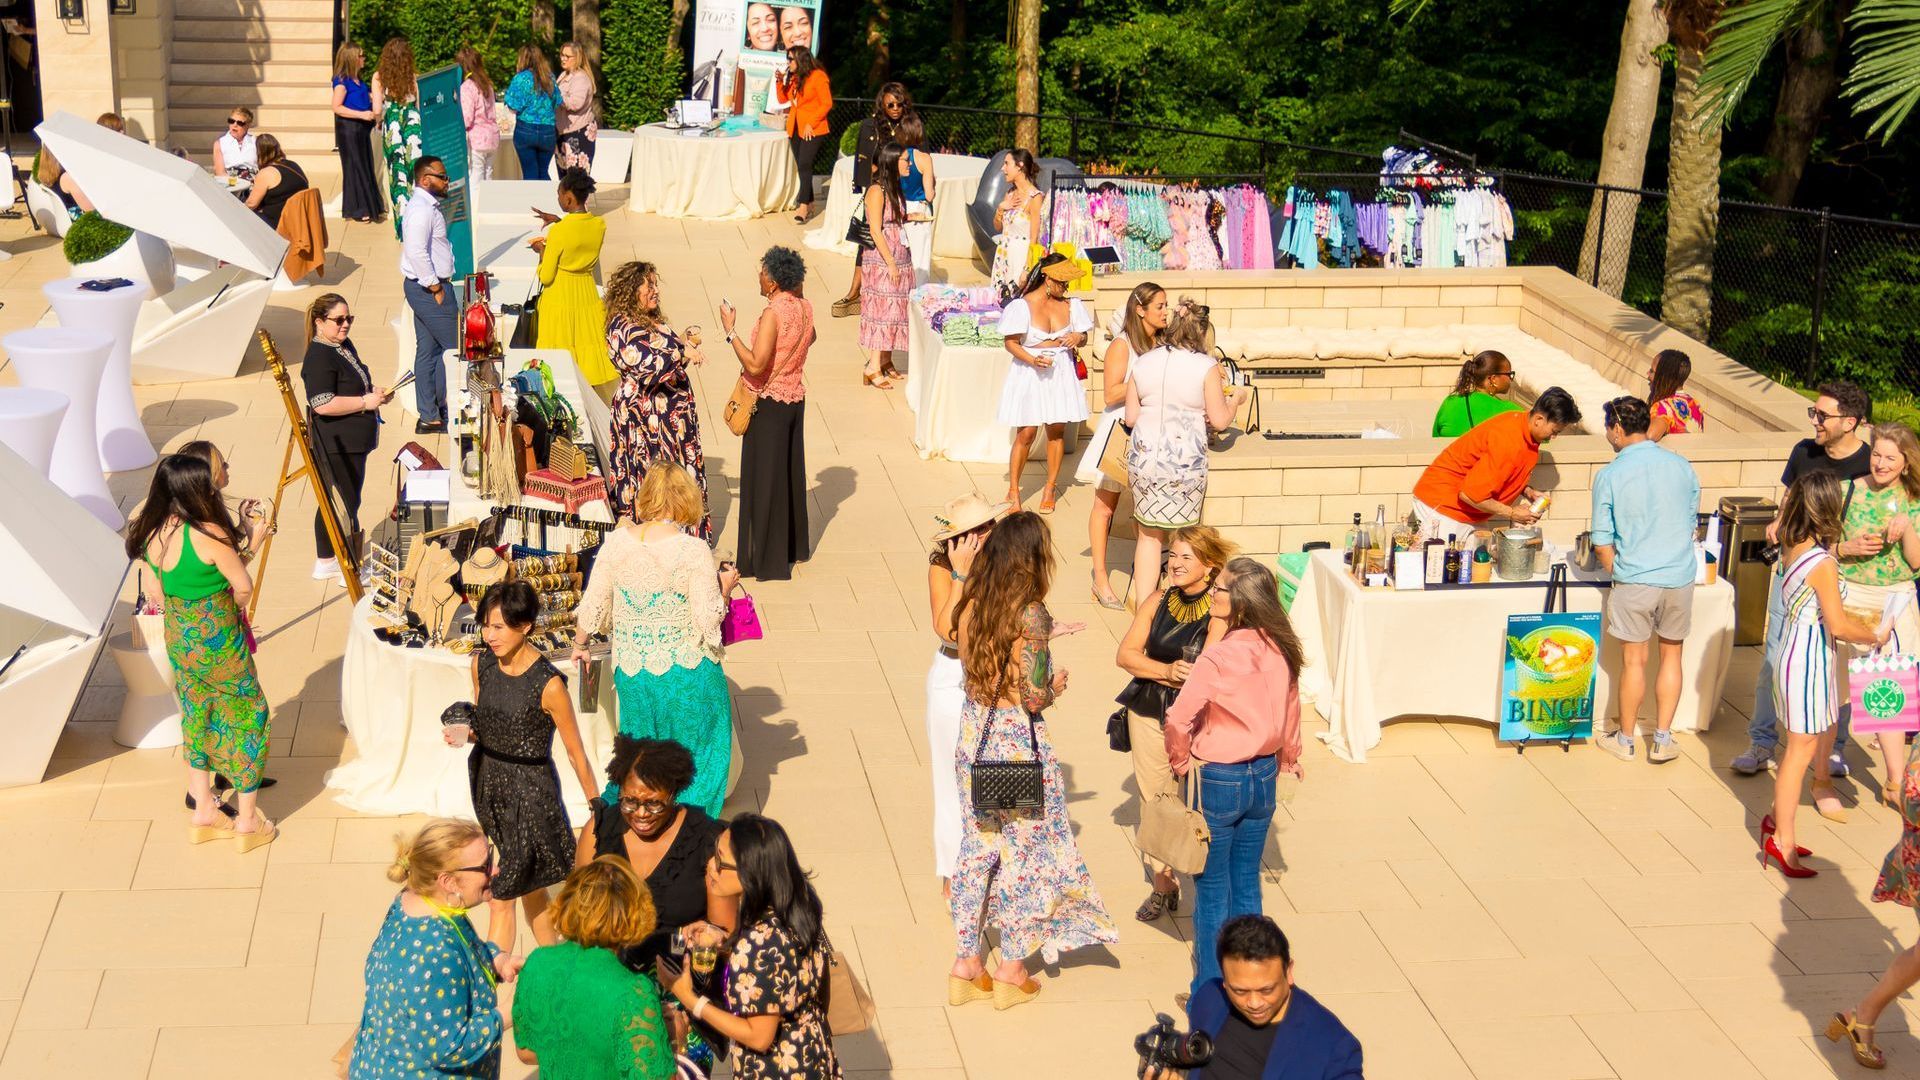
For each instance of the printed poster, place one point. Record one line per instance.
(443, 133)
(1547, 676)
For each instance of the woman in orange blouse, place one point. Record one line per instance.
(804, 89)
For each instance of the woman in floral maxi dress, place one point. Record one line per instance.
(396, 98)
(654, 416)
(1018, 869)
(1900, 884)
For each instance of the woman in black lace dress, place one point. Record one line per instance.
(521, 702)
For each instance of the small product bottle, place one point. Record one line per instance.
(1539, 505)
(1450, 570)
(1380, 543)
(1436, 552)
(1464, 575)
(1357, 556)
(1352, 539)
(1482, 565)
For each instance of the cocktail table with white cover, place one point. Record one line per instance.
(1384, 660)
(71, 362)
(956, 181)
(122, 437)
(954, 392)
(30, 421)
(721, 176)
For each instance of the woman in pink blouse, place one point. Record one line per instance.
(1234, 729)
(773, 455)
(476, 110)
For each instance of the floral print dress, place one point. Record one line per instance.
(654, 416)
(400, 138)
(767, 972)
(1900, 873)
(431, 1011)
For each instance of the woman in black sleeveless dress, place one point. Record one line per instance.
(522, 702)
(1174, 619)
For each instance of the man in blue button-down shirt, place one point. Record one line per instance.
(1644, 507)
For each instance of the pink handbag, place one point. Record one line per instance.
(742, 621)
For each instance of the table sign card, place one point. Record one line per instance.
(1547, 668)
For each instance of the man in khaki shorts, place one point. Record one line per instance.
(1644, 506)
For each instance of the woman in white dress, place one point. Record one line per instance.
(1041, 330)
(964, 526)
(1176, 393)
(1138, 331)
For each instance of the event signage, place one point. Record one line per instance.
(1547, 669)
(753, 35)
(1885, 691)
(443, 134)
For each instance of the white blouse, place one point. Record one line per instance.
(239, 151)
(1017, 318)
(658, 600)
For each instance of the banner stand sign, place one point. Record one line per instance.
(443, 134)
(1547, 676)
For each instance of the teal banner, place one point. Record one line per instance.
(443, 134)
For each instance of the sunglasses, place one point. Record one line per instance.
(342, 320)
(633, 807)
(1818, 417)
(1507, 374)
(484, 868)
(234, 121)
(433, 176)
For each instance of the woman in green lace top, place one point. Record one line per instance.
(1477, 395)
(579, 1013)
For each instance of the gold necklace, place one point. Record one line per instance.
(1188, 610)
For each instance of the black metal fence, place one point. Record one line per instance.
(1799, 295)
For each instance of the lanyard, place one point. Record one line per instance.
(449, 913)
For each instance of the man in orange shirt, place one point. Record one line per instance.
(1481, 474)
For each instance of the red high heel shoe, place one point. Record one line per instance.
(1770, 853)
(1766, 829)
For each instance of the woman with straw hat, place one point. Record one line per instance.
(964, 526)
(1042, 329)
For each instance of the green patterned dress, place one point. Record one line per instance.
(586, 1017)
(400, 139)
(223, 714)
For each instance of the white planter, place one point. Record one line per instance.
(144, 258)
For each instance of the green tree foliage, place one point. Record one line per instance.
(436, 28)
(643, 66)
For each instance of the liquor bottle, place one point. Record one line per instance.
(1380, 544)
(1352, 539)
(1451, 569)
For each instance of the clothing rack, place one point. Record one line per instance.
(1166, 186)
(1471, 160)
(1412, 219)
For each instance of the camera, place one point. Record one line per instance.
(1164, 1046)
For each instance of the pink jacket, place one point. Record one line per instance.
(1239, 703)
(483, 128)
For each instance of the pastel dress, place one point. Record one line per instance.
(1805, 691)
(223, 713)
(660, 602)
(884, 294)
(1012, 249)
(1032, 396)
(572, 316)
(1167, 460)
(1899, 880)
(586, 1017)
(431, 1011)
(654, 415)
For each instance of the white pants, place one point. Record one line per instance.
(946, 695)
(918, 236)
(479, 164)
(1435, 525)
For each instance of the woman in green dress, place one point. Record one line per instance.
(396, 99)
(1477, 394)
(578, 1013)
(187, 538)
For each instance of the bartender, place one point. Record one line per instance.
(1482, 474)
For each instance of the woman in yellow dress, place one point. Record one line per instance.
(571, 314)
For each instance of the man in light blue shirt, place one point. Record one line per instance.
(1644, 507)
(426, 267)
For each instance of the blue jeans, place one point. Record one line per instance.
(1238, 802)
(433, 335)
(1764, 728)
(533, 145)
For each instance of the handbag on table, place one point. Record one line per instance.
(1175, 831)
(1009, 785)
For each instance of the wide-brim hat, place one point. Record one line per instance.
(1064, 270)
(967, 513)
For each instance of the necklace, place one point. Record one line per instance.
(1186, 609)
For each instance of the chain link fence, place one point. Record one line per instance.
(1801, 296)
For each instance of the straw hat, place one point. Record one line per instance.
(1065, 270)
(966, 513)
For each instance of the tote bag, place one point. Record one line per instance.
(1175, 831)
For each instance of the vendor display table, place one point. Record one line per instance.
(121, 436)
(720, 176)
(956, 180)
(954, 391)
(1386, 656)
(466, 501)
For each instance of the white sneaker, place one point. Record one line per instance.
(326, 568)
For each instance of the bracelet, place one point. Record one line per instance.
(957, 575)
(699, 1007)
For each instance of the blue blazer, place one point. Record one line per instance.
(1312, 1043)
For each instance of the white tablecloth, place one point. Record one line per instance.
(716, 177)
(954, 391)
(466, 501)
(1389, 654)
(956, 180)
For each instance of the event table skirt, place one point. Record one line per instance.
(1390, 654)
(956, 181)
(716, 177)
(954, 391)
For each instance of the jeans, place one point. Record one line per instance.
(433, 334)
(1764, 728)
(534, 144)
(1238, 802)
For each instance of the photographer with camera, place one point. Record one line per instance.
(1252, 1023)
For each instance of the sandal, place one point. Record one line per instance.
(1046, 503)
(221, 829)
(887, 369)
(1832, 808)
(1891, 800)
(1157, 904)
(1865, 1053)
(263, 833)
(878, 380)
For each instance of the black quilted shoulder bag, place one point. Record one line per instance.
(1009, 785)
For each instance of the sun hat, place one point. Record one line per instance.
(966, 513)
(1064, 270)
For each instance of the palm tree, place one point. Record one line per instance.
(1883, 81)
(1693, 175)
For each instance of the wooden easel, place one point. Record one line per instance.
(297, 437)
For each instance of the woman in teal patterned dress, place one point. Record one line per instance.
(186, 537)
(432, 1010)
(396, 98)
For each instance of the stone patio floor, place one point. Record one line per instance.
(1467, 911)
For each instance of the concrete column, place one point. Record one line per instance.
(77, 69)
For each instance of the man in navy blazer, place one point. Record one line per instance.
(1263, 1027)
